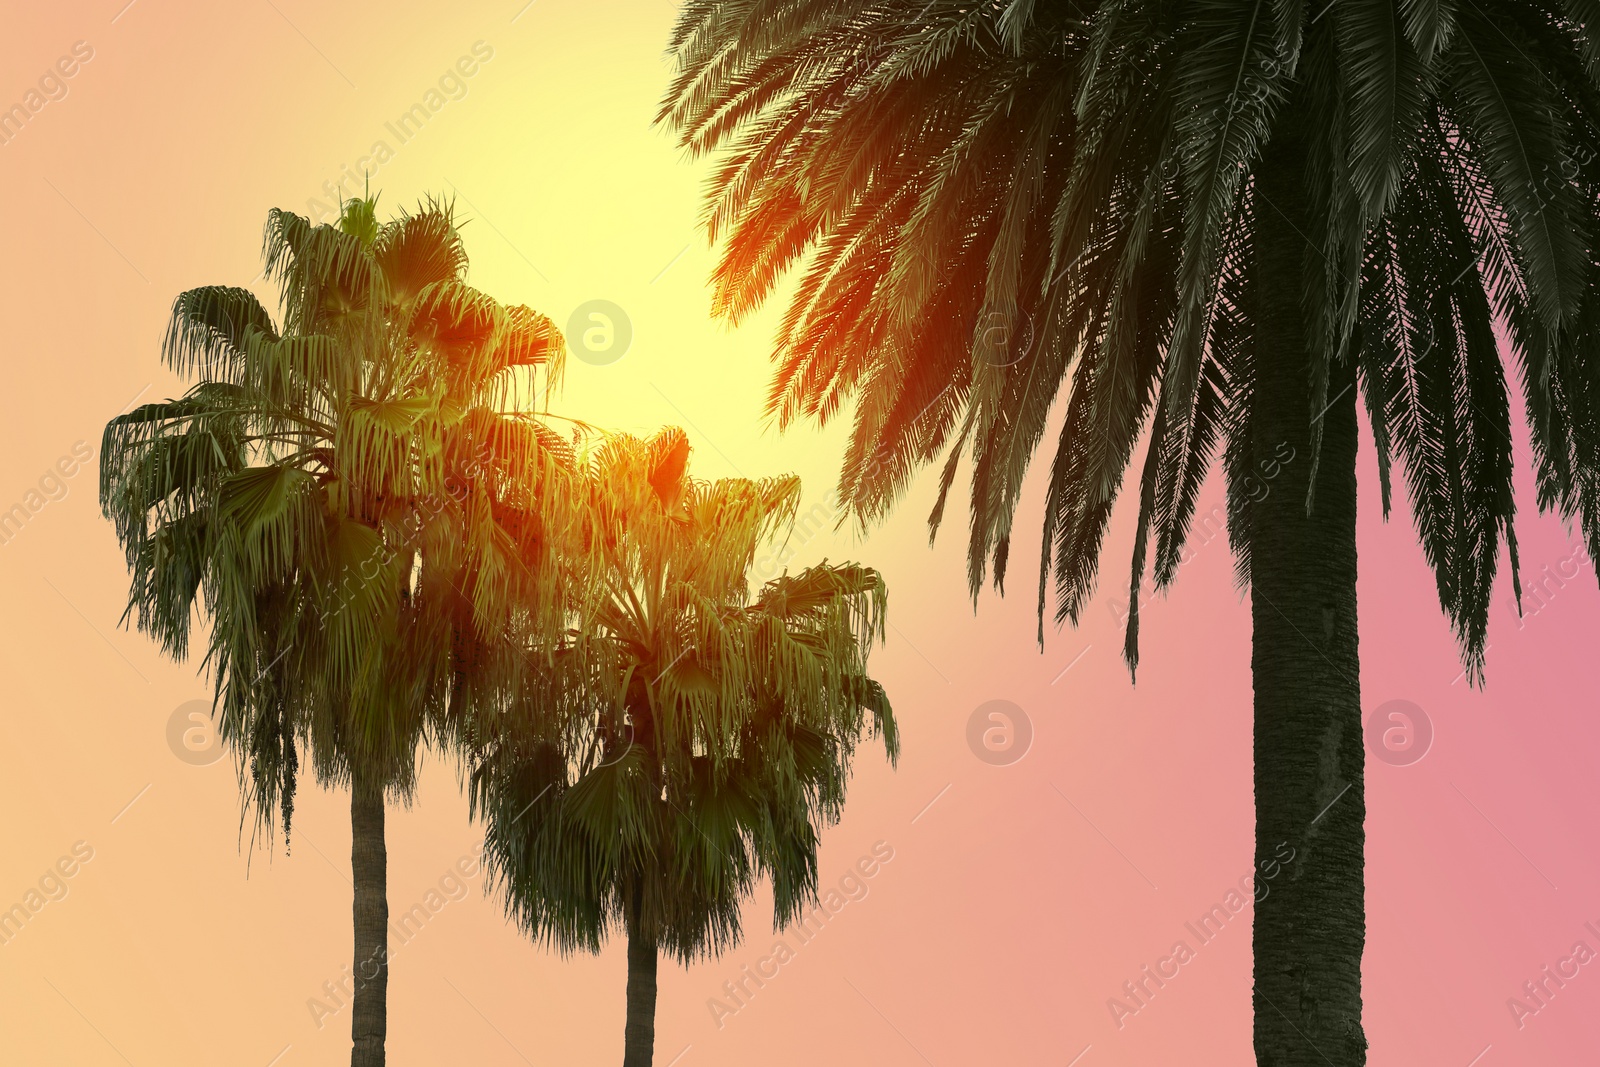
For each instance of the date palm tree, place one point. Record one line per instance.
(345, 501)
(1216, 223)
(688, 737)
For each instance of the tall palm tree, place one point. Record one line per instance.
(688, 738)
(1217, 222)
(333, 494)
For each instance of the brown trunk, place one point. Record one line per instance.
(1310, 918)
(639, 1040)
(369, 863)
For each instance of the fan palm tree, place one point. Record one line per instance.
(345, 501)
(1216, 223)
(688, 738)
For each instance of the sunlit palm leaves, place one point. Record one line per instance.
(689, 736)
(351, 500)
(984, 202)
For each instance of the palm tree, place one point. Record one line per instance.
(346, 502)
(687, 738)
(1217, 223)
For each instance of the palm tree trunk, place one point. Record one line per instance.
(1310, 918)
(369, 861)
(639, 1041)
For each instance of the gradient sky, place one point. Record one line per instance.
(1019, 898)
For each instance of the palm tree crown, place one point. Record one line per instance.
(323, 478)
(993, 201)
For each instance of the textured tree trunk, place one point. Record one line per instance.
(1310, 918)
(369, 863)
(639, 1042)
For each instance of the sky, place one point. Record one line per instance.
(1023, 867)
